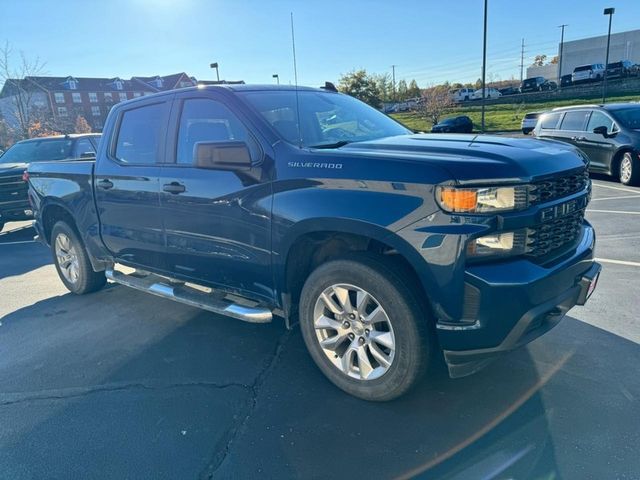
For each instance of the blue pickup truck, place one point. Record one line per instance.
(388, 248)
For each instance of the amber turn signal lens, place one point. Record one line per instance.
(456, 200)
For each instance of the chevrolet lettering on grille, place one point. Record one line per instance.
(563, 209)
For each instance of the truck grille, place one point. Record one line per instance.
(554, 188)
(12, 188)
(547, 237)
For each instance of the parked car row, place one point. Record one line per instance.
(609, 135)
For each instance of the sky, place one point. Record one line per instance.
(431, 41)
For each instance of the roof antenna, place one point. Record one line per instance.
(295, 76)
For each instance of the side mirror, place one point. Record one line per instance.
(601, 130)
(227, 155)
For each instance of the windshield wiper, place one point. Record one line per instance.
(339, 144)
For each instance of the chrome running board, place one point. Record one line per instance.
(180, 292)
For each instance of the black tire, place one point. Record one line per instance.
(87, 279)
(391, 289)
(527, 131)
(631, 178)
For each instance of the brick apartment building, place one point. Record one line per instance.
(65, 98)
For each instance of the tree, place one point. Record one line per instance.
(414, 90)
(82, 126)
(20, 89)
(6, 135)
(435, 101)
(385, 86)
(539, 60)
(478, 84)
(554, 60)
(402, 90)
(361, 85)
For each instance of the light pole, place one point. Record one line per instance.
(560, 54)
(215, 65)
(610, 12)
(484, 62)
(277, 77)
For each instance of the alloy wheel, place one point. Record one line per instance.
(354, 331)
(625, 168)
(67, 258)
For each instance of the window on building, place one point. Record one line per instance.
(59, 97)
(574, 121)
(140, 133)
(118, 84)
(77, 98)
(137, 94)
(72, 85)
(93, 97)
(108, 97)
(62, 112)
(95, 111)
(123, 96)
(147, 93)
(208, 121)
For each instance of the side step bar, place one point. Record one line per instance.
(179, 292)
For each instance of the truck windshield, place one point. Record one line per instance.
(325, 118)
(38, 151)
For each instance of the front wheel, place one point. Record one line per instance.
(629, 170)
(72, 261)
(365, 327)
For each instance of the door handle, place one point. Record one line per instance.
(581, 139)
(105, 184)
(174, 187)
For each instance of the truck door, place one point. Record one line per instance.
(217, 220)
(127, 185)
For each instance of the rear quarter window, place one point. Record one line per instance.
(550, 121)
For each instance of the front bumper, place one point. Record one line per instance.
(517, 302)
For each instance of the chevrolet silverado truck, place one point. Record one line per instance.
(388, 248)
(14, 205)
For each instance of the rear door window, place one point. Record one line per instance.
(574, 121)
(140, 134)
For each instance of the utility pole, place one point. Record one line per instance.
(484, 62)
(610, 12)
(560, 54)
(521, 61)
(393, 84)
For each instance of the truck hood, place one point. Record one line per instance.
(470, 158)
(12, 168)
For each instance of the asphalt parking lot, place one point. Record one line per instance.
(121, 384)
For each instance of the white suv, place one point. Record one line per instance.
(588, 73)
(488, 93)
(461, 94)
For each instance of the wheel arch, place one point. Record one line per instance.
(313, 242)
(614, 168)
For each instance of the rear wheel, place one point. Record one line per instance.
(364, 327)
(72, 261)
(629, 170)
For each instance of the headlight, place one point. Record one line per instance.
(498, 244)
(483, 199)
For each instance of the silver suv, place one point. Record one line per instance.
(593, 72)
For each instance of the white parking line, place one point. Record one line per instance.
(618, 262)
(615, 198)
(614, 211)
(614, 188)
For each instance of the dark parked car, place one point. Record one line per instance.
(509, 91)
(621, 69)
(13, 189)
(537, 84)
(565, 80)
(608, 134)
(386, 247)
(461, 124)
